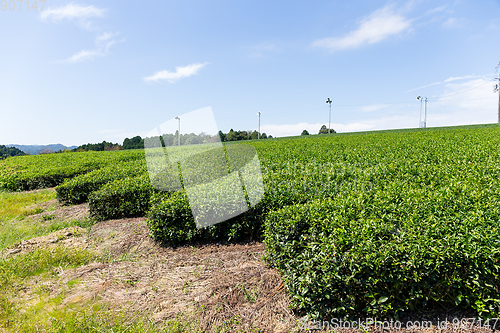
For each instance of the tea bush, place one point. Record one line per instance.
(127, 197)
(76, 190)
(383, 252)
(24, 173)
(171, 221)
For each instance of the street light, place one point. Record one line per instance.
(259, 113)
(420, 115)
(179, 129)
(329, 113)
(422, 124)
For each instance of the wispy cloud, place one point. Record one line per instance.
(445, 81)
(72, 12)
(436, 10)
(474, 96)
(103, 43)
(378, 26)
(180, 73)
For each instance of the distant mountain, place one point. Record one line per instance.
(37, 149)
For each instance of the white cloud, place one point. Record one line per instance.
(103, 43)
(468, 102)
(378, 26)
(436, 10)
(461, 78)
(84, 55)
(180, 73)
(71, 12)
(445, 81)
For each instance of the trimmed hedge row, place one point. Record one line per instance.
(170, 220)
(381, 253)
(127, 197)
(24, 173)
(76, 190)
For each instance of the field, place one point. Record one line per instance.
(378, 224)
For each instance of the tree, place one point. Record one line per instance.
(231, 136)
(193, 140)
(255, 135)
(304, 132)
(222, 136)
(324, 130)
(135, 143)
(10, 151)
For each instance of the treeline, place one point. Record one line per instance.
(103, 146)
(168, 140)
(173, 140)
(322, 130)
(242, 135)
(9, 151)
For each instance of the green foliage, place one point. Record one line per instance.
(103, 146)
(76, 190)
(135, 143)
(359, 224)
(170, 220)
(39, 261)
(305, 132)
(377, 254)
(413, 224)
(324, 130)
(9, 151)
(233, 135)
(127, 197)
(24, 173)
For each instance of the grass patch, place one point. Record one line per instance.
(14, 204)
(14, 269)
(48, 316)
(15, 207)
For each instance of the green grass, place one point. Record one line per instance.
(15, 204)
(15, 207)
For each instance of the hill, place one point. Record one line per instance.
(9, 151)
(37, 149)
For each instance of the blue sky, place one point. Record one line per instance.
(88, 71)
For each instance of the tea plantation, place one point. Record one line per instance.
(361, 224)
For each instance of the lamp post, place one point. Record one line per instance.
(259, 113)
(179, 135)
(420, 115)
(329, 113)
(425, 117)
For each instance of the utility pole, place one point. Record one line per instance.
(259, 113)
(497, 88)
(329, 114)
(420, 115)
(425, 117)
(179, 129)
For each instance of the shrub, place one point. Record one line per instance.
(24, 173)
(170, 220)
(381, 253)
(76, 190)
(128, 197)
